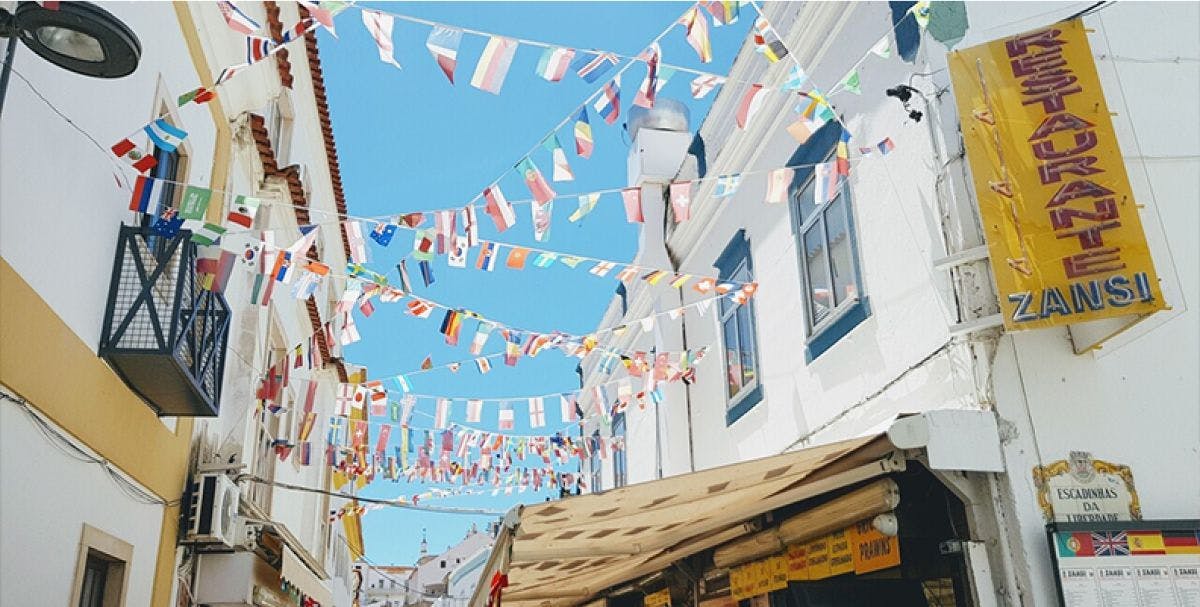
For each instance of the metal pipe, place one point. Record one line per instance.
(11, 48)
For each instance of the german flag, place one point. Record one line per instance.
(1181, 542)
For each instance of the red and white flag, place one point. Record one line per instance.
(443, 44)
(681, 200)
(751, 102)
(777, 185)
(499, 209)
(705, 83)
(633, 205)
(354, 237)
(470, 223)
(474, 410)
(235, 18)
(493, 64)
(649, 87)
(441, 417)
(566, 404)
(537, 412)
(379, 25)
(506, 417)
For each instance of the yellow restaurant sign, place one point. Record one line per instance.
(1063, 231)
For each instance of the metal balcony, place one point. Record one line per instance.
(163, 334)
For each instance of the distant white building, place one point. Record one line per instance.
(447, 578)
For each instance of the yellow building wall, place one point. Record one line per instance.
(43, 361)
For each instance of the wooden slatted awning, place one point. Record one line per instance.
(565, 552)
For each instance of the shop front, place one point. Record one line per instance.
(894, 518)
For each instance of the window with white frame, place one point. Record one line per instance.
(827, 246)
(738, 334)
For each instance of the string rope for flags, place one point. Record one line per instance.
(250, 478)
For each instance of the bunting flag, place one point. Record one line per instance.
(751, 102)
(354, 237)
(498, 208)
(242, 212)
(885, 146)
(419, 308)
(383, 233)
(602, 268)
(813, 115)
(704, 83)
(426, 272)
(405, 283)
(727, 185)
(474, 410)
(147, 191)
(553, 63)
(632, 198)
(825, 183)
(229, 72)
(587, 202)
(843, 153)
(379, 25)
(493, 64)
(423, 244)
(457, 257)
(516, 258)
(883, 48)
(308, 237)
(777, 185)
(583, 135)
(851, 82)
(724, 12)
(443, 229)
(323, 15)
(562, 170)
(535, 181)
(130, 153)
(258, 48)
(236, 19)
(470, 223)
(649, 86)
(545, 260)
(506, 417)
(443, 44)
(795, 80)
(487, 257)
(567, 406)
(482, 331)
(609, 103)
(441, 419)
(697, 33)
(773, 50)
(681, 200)
(537, 412)
(427, 363)
(207, 234)
(451, 326)
(484, 365)
(298, 31)
(591, 66)
(541, 220)
(164, 135)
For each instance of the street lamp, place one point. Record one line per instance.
(76, 36)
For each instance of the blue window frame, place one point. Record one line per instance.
(831, 277)
(595, 463)
(738, 332)
(620, 474)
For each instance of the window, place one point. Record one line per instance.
(738, 332)
(595, 462)
(832, 281)
(168, 169)
(279, 127)
(100, 578)
(619, 472)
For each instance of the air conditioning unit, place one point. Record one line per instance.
(213, 510)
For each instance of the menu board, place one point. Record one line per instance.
(1127, 564)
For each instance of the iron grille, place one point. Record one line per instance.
(164, 334)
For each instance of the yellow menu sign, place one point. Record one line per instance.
(1063, 231)
(841, 559)
(797, 556)
(871, 549)
(818, 558)
(662, 598)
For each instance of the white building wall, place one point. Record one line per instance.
(47, 499)
(60, 204)
(1134, 402)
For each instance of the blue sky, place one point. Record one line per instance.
(410, 141)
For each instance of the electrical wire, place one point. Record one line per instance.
(68, 447)
(369, 500)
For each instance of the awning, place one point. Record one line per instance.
(565, 552)
(299, 575)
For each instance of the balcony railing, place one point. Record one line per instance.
(163, 334)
